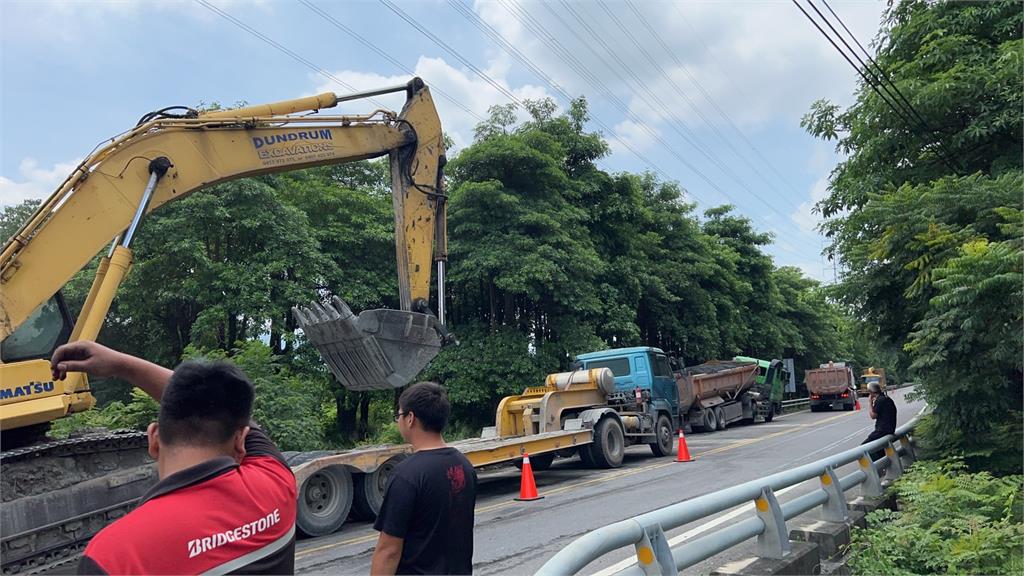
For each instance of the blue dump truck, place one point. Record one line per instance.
(653, 396)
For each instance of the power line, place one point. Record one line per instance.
(552, 43)
(722, 113)
(884, 95)
(658, 68)
(555, 46)
(879, 72)
(383, 54)
(494, 35)
(455, 54)
(562, 53)
(675, 122)
(726, 73)
(283, 49)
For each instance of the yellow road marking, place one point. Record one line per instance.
(598, 480)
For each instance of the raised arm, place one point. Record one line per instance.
(99, 361)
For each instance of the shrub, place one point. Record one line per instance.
(950, 522)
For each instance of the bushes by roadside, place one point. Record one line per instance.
(950, 521)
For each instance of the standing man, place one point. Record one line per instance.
(426, 520)
(882, 410)
(225, 501)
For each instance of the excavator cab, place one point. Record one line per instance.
(379, 349)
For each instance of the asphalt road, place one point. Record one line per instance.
(518, 537)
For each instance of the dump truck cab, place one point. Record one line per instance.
(640, 372)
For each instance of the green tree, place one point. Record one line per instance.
(916, 203)
(12, 217)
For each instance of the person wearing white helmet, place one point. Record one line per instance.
(882, 410)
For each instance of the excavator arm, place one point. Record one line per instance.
(167, 157)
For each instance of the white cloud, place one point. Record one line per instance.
(632, 134)
(804, 216)
(758, 61)
(35, 182)
(460, 84)
(73, 23)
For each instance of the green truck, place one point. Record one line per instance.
(771, 382)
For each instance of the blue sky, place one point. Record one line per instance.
(75, 73)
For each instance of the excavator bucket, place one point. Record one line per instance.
(378, 350)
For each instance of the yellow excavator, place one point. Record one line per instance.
(58, 493)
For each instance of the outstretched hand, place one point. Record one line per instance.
(85, 356)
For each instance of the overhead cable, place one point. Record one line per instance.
(383, 54)
(870, 81)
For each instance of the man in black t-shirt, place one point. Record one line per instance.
(882, 410)
(426, 520)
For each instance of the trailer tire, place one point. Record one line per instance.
(662, 446)
(325, 499)
(710, 420)
(538, 462)
(720, 418)
(609, 446)
(370, 488)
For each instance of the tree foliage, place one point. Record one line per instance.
(926, 214)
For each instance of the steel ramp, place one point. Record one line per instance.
(380, 349)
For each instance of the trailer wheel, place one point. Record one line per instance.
(370, 488)
(609, 446)
(720, 417)
(662, 446)
(325, 499)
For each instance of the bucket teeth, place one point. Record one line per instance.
(379, 349)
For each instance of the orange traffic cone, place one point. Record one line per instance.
(527, 487)
(684, 453)
(856, 404)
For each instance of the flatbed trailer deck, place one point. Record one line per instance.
(334, 484)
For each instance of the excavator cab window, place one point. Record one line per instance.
(46, 328)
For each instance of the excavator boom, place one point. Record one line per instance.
(167, 157)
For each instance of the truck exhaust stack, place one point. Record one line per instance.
(380, 349)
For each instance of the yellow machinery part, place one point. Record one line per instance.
(64, 396)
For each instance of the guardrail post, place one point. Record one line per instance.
(872, 484)
(908, 451)
(773, 542)
(653, 554)
(834, 509)
(895, 468)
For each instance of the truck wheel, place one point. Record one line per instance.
(771, 413)
(325, 499)
(662, 446)
(370, 488)
(609, 446)
(720, 417)
(710, 420)
(538, 462)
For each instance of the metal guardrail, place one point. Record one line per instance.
(795, 404)
(646, 532)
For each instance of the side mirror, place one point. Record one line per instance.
(576, 365)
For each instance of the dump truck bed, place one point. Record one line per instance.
(822, 381)
(726, 379)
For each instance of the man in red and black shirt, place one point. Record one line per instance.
(225, 501)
